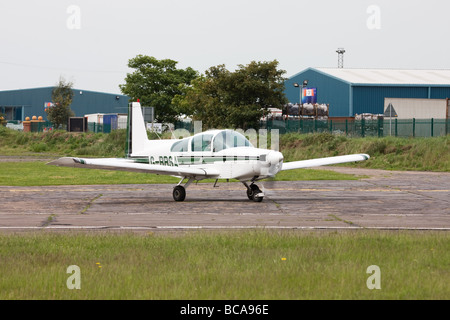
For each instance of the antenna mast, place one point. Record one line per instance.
(340, 52)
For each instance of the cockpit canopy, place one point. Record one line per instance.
(218, 140)
(228, 139)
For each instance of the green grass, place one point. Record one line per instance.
(63, 143)
(388, 153)
(236, 265)
(39, 174)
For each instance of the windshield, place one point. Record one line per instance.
(230, 139)
(202, 142)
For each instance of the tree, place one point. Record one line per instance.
(2, 119)
(62, 96)
(225, 99)
(156, 83)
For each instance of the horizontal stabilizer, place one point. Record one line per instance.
(324, 161)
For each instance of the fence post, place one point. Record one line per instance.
(379, 127)
(362, 127)
(346, 127)
(414, 127)
(432, 126)
(396, 132)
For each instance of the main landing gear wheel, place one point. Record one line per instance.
(252, 193)
(179, 193)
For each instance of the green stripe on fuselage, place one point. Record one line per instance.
(141, 160)
(212, 159)
(186, 160)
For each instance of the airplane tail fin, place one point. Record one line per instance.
(137, 140)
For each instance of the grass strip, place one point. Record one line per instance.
(255, 264)
(39, 174)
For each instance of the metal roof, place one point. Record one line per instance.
(389, 76)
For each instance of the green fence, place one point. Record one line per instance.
(356, 128)
(363, 128)
(99, 127)
(41, 126)
(92, 127)
(417, 127)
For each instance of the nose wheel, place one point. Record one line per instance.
(254, 193)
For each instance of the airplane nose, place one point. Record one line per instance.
(275, 161)
(274, 157)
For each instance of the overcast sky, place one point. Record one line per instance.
(90, 42)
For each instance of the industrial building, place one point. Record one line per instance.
(19, 104)
(359, 91)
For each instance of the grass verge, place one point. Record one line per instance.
(388, 153)
(235, 265)
(62, 143)
(39, 174)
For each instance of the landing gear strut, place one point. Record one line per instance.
(254, 193)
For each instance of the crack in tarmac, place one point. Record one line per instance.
(86, 208)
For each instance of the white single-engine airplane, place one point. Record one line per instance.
(216, 154)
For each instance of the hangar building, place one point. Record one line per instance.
(19, 104)
(358, 91)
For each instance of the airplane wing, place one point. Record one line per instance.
(324, 161)
(131, 165)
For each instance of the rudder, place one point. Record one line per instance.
(137, 140)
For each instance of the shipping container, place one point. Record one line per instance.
(419, 108)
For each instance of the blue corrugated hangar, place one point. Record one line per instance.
(19, 104)
(357, 91)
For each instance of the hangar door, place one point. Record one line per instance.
(12, 113)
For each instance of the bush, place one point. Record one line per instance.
(376, 147)
(39, 147)
(318, 139)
